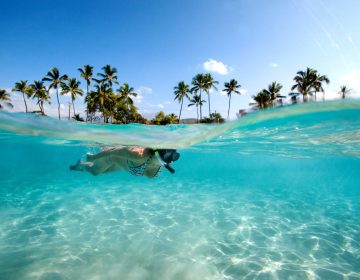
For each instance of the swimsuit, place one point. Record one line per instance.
(140, 169)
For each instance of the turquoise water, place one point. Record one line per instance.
(274, 195)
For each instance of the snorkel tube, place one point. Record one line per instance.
(165, 161)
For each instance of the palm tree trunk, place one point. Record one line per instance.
(200, 107)
(42, 108)
(87, 94)
(197, 114)
(209, 104)
(229, 106)
(57, 96)
(182, 100)
(72, 101)
(315, 96)
(26, 109)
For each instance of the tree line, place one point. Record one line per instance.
(307, 84)
(117, 106)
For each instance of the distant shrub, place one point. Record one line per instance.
(214, 118)
(162, 119)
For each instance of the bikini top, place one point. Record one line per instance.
(139, 170)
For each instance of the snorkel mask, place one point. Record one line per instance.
(167, 156)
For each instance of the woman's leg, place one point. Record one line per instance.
(95, 168)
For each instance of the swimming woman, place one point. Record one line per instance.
(139, 161)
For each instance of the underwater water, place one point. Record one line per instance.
(274, 195)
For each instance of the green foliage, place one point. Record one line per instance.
(24, 89)
(232, 86)
(268, 97)
(109, 76)
(126, 92)
(308, 83)
(198, 102)
(119, 108)
(86, 73)
(5, 99)
(181, 91)
(214, 118)
(262, 99)
(199, 84)
(72, 87)
(125, 113)
(162, 119)
(41, 94)
(55, 80)
(344, 90)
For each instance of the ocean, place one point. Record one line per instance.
(273, 195)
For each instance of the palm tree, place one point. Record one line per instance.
(344, 90)
(181, 90)
(41, 94)
(318, 81)
(304, 82)
(87, 72)
(24, 89)
(231, 87)
(72, 87)
(309, 82)
(102, 98)
(91, 105)
(5, 99)
(262, 100)
(209, 84)
(126, 92)
(55, 80)
(109, 76)
(294, 97)
(199, 84)
(273, 91)
(196, 100)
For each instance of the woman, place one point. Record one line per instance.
(139, 161)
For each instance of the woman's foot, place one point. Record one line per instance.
(89, 156)
(78, 166)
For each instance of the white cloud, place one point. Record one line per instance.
(144, 90)
(167, 102)
(243, 91)
(160, 106)
(141, 91)
(350, 39)
(273, 65)
(138, 98)
(213, 65)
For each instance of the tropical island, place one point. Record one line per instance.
(110, 102)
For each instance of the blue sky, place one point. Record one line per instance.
(156, 44)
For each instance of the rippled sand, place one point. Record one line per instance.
(184, 230)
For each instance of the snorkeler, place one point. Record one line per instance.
(139, 161)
